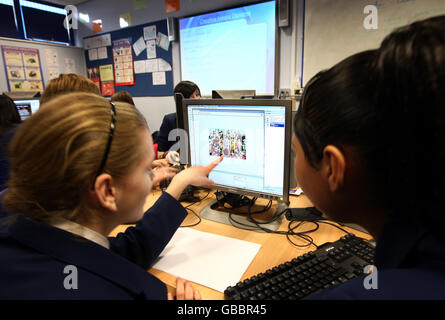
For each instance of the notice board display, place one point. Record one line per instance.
(141, 57)
(23, 68)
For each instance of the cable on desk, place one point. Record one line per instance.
(334, 225)
(303, 234)
(291, 232)
(193, 212)
(194, 224)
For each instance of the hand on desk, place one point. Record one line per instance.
(197, 176)
(184, 291)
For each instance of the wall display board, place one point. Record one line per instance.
(141, 57)
(53, 60)
(22, 67)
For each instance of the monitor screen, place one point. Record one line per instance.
(252, 135)
(27, 107)
(218, 45)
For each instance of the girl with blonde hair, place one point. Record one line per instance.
(77, 172)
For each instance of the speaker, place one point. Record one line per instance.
(172, 28)
(283, 13)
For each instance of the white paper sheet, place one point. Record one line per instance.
(162, 41)
(139, 46)
(51, 58)
(102, 53)
(92, 54)
(70, 65)
(208, 259)
(139, 66)
(96, 42)
(150, 32)
(151, 49)
(151, 65)
(164, 65)
(159, 78)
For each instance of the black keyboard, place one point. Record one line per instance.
(331, 264)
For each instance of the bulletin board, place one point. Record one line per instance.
(23, 68)
(52, 60)
(146, 72)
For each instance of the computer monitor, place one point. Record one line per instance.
(254, 136)
(179, 114)
(27, 107)
(232, 94)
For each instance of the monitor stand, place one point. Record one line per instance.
(223, 217)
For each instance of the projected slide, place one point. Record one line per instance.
(231, 49)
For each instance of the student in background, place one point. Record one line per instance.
(67, 83)
(161, 168)
(123, 96)
(9, 120)
(189, 90)
(61, 85)
(89, 171)
(369, 140)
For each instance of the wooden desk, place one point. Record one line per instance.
(275, 249)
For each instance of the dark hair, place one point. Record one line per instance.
(390, 105)
(411, 102)
(122, 96)
(186, 88)
(9, 115)
(336, 109)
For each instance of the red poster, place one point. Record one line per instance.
(107, 88)
(123, 62)
(93, 75)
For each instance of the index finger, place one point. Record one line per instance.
(213, 164)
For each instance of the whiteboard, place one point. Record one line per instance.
(334, 30)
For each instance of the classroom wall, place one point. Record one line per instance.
(335, 29)
(154, 108)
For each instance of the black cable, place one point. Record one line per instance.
(291, 232)
(334, 225)
(193, 212)
(303, 234)
(194, 224)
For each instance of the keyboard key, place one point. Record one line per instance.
(261, 296)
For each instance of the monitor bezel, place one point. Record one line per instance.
(287, 140)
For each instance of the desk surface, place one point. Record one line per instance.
(275, 248)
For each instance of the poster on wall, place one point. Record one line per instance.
(23, 69)
(94, 75)
(123, 62)
(107, 88)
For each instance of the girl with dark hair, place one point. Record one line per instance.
(369, 133)
(9, 120)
